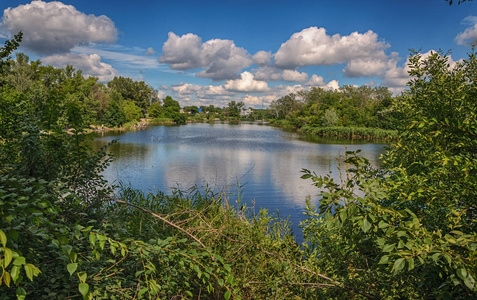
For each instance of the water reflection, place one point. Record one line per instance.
(266, 160)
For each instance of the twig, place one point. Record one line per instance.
(162, 219)
(111, 266)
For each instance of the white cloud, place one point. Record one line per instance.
(161, 95)
(469, 36)
(294, 76)
(187, 92)
(221, 59)
(317, 81)
(269, 73)
(120, 59)
(247, 83)
(90, 65)
(262, 57)
(150, 51)
(53, 27)
(312, 46)
(257, 101)
(369, 66)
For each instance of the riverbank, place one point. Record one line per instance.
(353, 133)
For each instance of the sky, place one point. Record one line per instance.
(213, 52)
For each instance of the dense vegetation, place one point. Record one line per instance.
(362, 112)
(407, 231)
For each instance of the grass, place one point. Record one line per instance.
(352, 132)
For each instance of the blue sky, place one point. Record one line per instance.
(212, 52)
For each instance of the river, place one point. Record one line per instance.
(260, 161)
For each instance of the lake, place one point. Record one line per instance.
(260, 161)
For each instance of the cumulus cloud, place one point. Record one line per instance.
(318, 81)
(221, 59)
(313, 46)
(294, 76)
(150, 51)
(469, 36)
(55, 28)
(246, 83)
(188, 92)
(257, 101)
(262, 57)
(369, 66)
(267, 73)
(90, 65)
(315, 81)
(270, 73)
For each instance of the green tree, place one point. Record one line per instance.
(137, 91)
(408, 232)
(155, 110)
(330, 118)
(234, 109)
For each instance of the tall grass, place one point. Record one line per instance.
(352, 132)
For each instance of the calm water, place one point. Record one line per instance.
(264, 160)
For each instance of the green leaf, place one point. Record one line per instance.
(469, 282)
(3, 238)
(15, 272)
(29, 271)
(366, 225)
(92, 239)
(388, 248)
(382, 224)
(141, 292)
(399, 265)
(410, 263)
(435, 257)
(21, 293)
(384, 260)
(8, 256)
(83, 289)
(72, 268)
(220, 282)
(227, 295)
(19, 261)
(82, 276)
(462, 273)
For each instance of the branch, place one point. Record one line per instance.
(162, 219)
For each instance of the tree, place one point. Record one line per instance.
(408, 231)
(173, 104)
(234, 109)
(138, 91)
(155, 110)
(330, 118)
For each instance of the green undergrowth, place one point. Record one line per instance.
(352, 132)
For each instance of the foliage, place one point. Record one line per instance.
(351, 132)
(350, 106)
(234, 108)
(137, 91)
(409, 232)
(330, 118)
